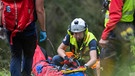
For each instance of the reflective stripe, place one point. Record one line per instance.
(128, 11)
(106, 17)
(84, 49)
(16, 13)
(88, 38)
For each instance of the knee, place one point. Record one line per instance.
(57, 60)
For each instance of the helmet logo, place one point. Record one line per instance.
(8, 9)
(76, 22)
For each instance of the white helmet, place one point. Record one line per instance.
(78, 25)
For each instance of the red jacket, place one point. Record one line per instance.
(115, 14)
(20, 11)
(17, 15)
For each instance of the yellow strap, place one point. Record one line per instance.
(71, 71)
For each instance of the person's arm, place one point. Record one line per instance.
(115, 14)
(93, 58)
(61, 50)
(40, 10)
(92, 53)
(62, 47)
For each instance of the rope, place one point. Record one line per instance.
(51, 45)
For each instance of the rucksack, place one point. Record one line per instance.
(15, 17)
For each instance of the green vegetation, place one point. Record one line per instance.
(4, 58)
(4, 72)
(59, 14)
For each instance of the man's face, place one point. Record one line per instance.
(79, 35)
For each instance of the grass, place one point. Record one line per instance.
(4, 72)
(4, 58)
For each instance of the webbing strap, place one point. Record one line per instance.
(16, 13)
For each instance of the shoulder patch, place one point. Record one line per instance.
(65, 38)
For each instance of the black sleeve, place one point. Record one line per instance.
(66, 40)
(93, 45)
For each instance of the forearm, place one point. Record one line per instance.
(93, 58)
(41, 14)
(91, 62)
(41, 20)
(61, 52)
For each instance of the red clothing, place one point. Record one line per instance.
(17, 15)
(115, 14)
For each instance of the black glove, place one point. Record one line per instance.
(66, 60)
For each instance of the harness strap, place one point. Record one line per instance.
(16, 25)
(13, 32)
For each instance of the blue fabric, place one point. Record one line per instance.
(42, 36)
(93, 44)
(15, 66)
(57, 59)
(39, 68)
(30, 30)
(66, 40)
(75, 74)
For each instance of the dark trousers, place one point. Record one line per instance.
(22, 52)
(116, 56)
